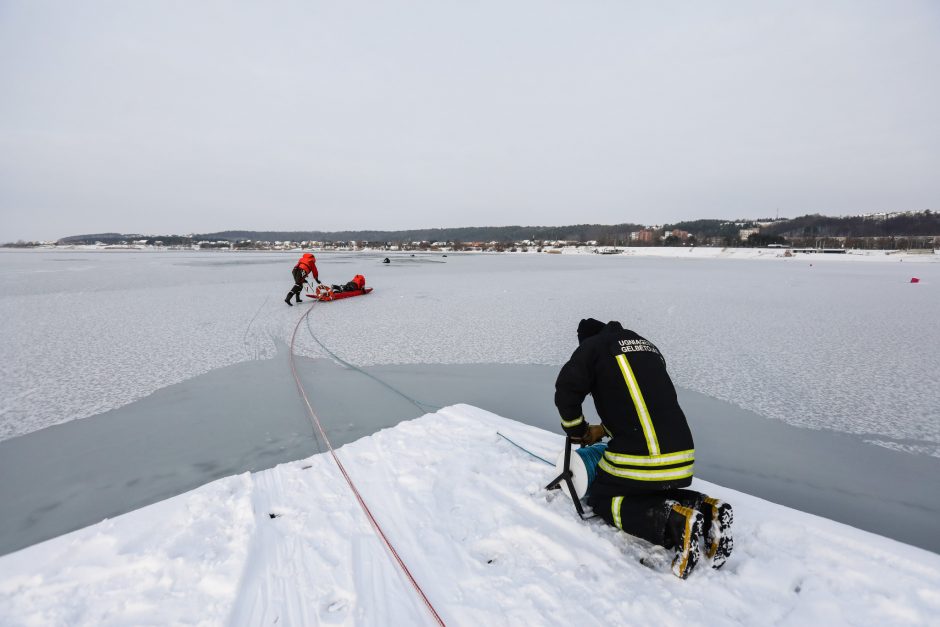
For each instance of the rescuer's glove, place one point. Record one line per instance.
(593, 434)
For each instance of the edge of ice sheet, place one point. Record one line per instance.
(466, 511)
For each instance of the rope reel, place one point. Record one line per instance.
(324, 292)
(577, 472)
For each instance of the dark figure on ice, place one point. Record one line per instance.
(649, 458)
(307, 266)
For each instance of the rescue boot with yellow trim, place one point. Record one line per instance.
(684, 529)
(717, 531)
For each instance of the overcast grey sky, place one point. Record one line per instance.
(186, 116)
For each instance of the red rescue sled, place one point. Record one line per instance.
(326, 293)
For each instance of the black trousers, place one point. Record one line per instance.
(299, 280)
(644, 514)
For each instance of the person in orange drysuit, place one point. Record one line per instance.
(307, 266)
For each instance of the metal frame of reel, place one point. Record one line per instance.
(566, 475)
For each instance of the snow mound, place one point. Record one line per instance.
(466, 511)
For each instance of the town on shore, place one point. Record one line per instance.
(903, 231)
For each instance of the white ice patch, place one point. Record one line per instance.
(816, 341)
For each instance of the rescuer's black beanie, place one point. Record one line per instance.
(588, 327)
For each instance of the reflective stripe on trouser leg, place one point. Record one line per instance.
(615, 505)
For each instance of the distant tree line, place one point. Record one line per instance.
(897, 231)
(22, 244)
(124, 238)
(505, 234)
(925, 223)
(911, 230)
(606, 234)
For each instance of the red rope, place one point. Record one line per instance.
(342, 469)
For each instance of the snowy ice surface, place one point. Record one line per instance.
(467, 513)
(814, 340)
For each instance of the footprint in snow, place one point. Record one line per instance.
(334, 610)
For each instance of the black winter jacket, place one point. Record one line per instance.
(650, 444)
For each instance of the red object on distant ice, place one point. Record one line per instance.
(914, 279)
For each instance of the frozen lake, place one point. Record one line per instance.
(180, 360)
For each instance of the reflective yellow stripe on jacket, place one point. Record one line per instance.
(640, 404)
(644, 474)
(567, 424)
(656, 466)
(663, 467)
(666, 459)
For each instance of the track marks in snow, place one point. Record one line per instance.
(308, 529)
(261, 348)
(280, 583)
